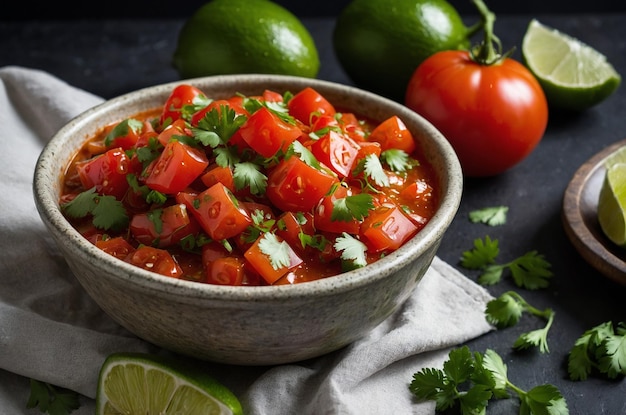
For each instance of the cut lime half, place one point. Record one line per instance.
(612, 204)
(573, 75)
(136, 383)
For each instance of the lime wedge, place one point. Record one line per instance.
(618, 156)
(573, 75)
(137, 383)
(612, 204)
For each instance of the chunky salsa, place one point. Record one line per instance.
(249, 190)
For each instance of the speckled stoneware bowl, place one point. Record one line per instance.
(247, 325)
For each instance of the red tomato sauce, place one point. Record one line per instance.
(263, 190)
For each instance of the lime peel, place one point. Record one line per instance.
(574, 76)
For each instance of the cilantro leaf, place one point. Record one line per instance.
(52, 399)
(218, 125)
(352, 207)
(492, 216)
(277, 251)
(397, 160)
(374, 170)
(351, 249)
(530, 271)
(484, 253)
(108, 212)
(248, 174)
(304, 153)
(504, 311)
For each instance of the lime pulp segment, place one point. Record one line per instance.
(612, 204)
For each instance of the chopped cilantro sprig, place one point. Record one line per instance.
(506, 311)
(468, 381)
(108, 213)
(602, 349)
(530, 271)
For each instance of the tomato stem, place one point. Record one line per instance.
(489, 51)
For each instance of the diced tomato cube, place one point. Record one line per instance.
(262, 262)
(393, 133)
(387, 228)
(266, 134)
(336, 151)
(107, 172)
(218, 212)
(219, 174)
(323, 214)
(295, 186)
(308, 104)
(155, 260)
(176, 168)
(163, 227)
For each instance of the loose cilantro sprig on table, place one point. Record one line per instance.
(506, 311)
(530, 271)
(602, 349)
(471, 380)
(52, 399)
(492, 216)
(108, 213)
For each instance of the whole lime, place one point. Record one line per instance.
(379, 43)
(245, 36)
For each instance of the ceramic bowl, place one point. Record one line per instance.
(247, 325)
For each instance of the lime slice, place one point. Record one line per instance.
(612, 204)
(136, 383)
(618, 156)
(573, 75)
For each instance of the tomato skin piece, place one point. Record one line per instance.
(176, 168)
(218, 212)
(176, 224)
(107, 172)
(266, 134)
(386, 229)
(492, 115)
(393, 133)
(295, 186)
(155, 260)
(336, 151)
(308, 104)
(180, 96)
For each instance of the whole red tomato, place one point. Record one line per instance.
(492, 115)
(490, 107)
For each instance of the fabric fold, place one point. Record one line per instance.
(52, 331)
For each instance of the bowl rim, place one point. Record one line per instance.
(49, 210)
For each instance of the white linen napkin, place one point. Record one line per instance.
(50, 329)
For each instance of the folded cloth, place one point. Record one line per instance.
(51, 330)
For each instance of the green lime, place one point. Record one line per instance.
(139, 383)
(612, 204)
(379, 43)
(245, 36)
(573, 75)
